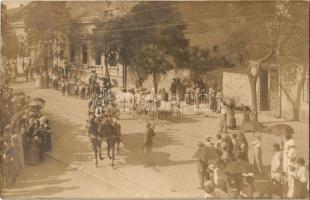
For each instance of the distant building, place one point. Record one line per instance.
(77, 48)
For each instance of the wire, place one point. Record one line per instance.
(179, 24)
(166, 19)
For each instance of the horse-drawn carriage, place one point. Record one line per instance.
(103, 110)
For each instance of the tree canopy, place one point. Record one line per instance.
(145, 42)
(10, 45)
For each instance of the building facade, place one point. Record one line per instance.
(77, 48)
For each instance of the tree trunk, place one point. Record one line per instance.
(155, 82)
(107, 67)
(253, 82)
(125, 76)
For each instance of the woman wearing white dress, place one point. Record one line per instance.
(37, 81)
(289, 142)
(291, 157)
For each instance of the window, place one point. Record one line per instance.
(98, 59)
(84, 54)
(306, 90)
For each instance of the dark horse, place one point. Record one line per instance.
(107, 131)
(95, 138)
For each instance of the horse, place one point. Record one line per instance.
(108, 133)
(95, 138)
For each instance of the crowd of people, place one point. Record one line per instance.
(25, 133)
(288, 176)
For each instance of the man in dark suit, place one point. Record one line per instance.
(148, 140)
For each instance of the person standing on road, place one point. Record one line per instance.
(201, 168)
(223, 119)
(148, 140)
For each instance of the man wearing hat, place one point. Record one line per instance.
(201, 168)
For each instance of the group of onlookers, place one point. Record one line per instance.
(288, 176)
(25, 134)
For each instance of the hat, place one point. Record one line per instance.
(210, 144)
(208, 138)
(200, 144)
(290, 143)
(7, 127)
(211, 167)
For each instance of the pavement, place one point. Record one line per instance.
(69, 171)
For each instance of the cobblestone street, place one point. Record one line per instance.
(70, 171)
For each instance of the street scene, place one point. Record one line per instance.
(141, 99)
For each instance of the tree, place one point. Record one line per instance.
(10, 46)
(107, 43)
(45, 25)
(198, 61)
(259, 40)
(149, 46)
(162, 47)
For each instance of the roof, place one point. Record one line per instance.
(77, 9)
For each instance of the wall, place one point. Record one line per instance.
(237, 86)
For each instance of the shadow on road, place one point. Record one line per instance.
(42, 180)
(137, 156)
(69, 147)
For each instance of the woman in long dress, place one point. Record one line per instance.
(33, 156)
(300, 180)
(231, 120)
(286, 146)
(290, 171)
(37, 83)
(16, 142)
(246, 121)
(258, 161)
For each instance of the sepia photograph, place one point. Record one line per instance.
(154, 99)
